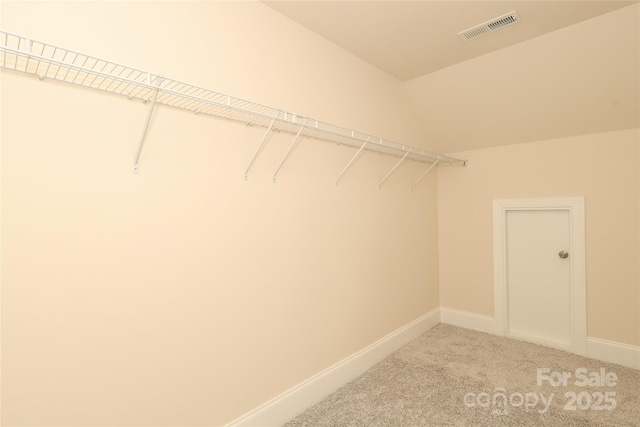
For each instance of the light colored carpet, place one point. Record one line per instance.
(451, 376)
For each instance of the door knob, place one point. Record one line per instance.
(563, 254)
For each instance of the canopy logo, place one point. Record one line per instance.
(499, 400)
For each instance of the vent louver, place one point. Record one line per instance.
(489, 26)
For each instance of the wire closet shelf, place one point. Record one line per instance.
(47, 61)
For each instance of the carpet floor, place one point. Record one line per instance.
(451, 376)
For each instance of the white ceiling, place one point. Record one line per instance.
(408, 39)
(567, 68)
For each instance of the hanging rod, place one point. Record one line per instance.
(47, 61)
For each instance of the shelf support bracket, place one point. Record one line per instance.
(425, 174)
(136, 168)
(286, 154)
(264, 139)
(352, 160)
(394, 168)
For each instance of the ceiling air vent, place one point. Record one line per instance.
(489, 26)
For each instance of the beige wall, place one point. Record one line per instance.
(603, 168)
(184, 295)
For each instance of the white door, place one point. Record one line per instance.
(539, 271)
(539, 276)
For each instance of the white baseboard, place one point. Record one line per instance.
(294, 401)
(464, 319)
(613, 352)
(607, 351)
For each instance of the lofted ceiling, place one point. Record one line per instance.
(408, 39)
(566, 68)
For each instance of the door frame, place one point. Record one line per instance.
(575, 207)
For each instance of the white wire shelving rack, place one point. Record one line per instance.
(47, 61)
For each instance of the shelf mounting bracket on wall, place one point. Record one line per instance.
(286, 154)
(136, 168)
(425, 174)
(394, 168)
(353, 159)
(264, 139)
